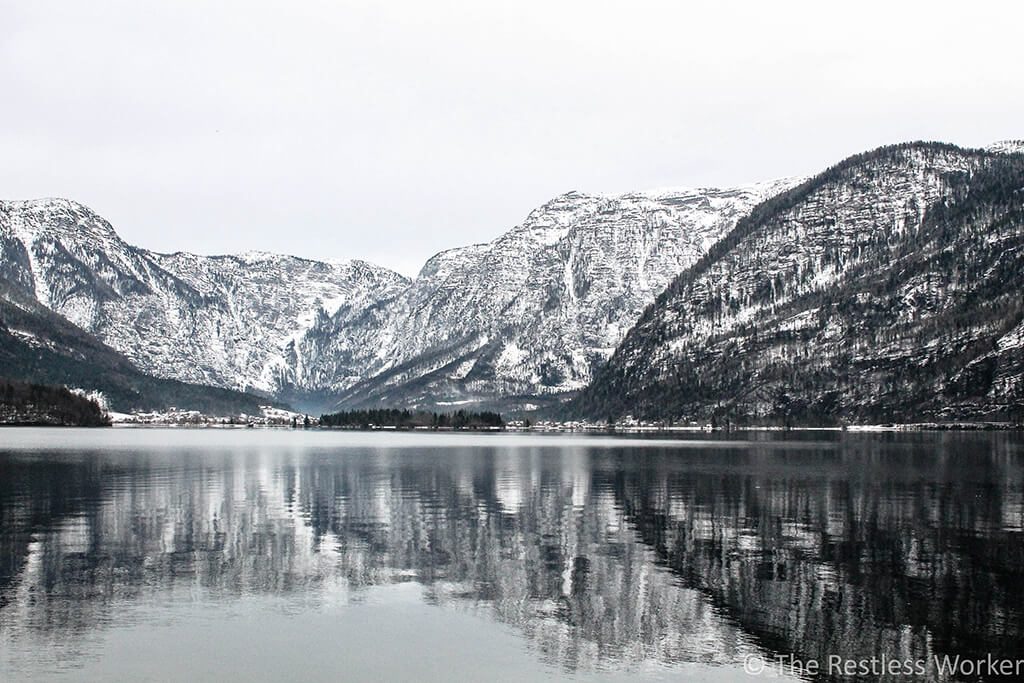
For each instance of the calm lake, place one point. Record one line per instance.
(162, 554)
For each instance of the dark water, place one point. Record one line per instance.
(213, 555)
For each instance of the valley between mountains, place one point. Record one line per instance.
(886, 288)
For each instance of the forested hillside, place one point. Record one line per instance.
(888, 288)
(22, 403)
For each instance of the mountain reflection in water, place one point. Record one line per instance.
(602, 554)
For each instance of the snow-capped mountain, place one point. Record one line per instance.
(227, 321)
(530, 314)
(886, 288)
(783, 298)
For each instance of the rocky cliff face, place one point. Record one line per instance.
(888, 285)
(221, 320)
(531, 314)
(525, 317)
(40, 346)
(886, 288)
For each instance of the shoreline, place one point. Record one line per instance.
(576, 429)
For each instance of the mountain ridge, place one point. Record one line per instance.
(532, 312)
(836, 254)
(552, 307)
(219, 320)
(574, 274)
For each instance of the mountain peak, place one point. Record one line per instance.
(257, 256)
(55, 215)
(50, 204)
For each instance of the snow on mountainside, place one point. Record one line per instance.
(529, 314)
(886, 288)
(223, 320)
(533, 312)
(1007, 147)
(40, 346)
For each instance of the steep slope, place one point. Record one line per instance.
(228, 321)
(524, 317)
(528, 316)
(37, 345)
(887, 288)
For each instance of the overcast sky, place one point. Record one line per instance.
(391, 130)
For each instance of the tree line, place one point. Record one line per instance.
(24, 403)
(406, 419)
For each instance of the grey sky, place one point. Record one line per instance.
(391, 130)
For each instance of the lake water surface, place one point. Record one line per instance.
(148, 554)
